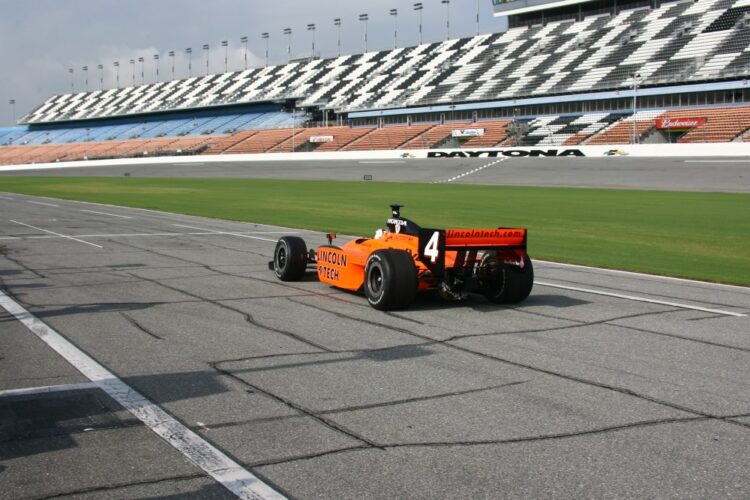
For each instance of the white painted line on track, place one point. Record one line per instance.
(219, 466)
(27, 391)
(45, 204)
(378, 162)
(58, 234)
(6, 198)
(641, 299)
(645, 275)
(241, 235)
(105, 213)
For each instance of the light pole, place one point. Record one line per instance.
(171, 54)
(156, 62)
(143, 69)
(636, 79)
(206, 49)
(72, 81)
(394, 13)
(12, 103)
(337, 23)
(477, 17)
(265, 36)
(418, 7)
(132, 66)
(364, 18)
(116, 64)
(311, 27)
(101, 76)
(288, 33)
(189, 53)
(447, 18)
(225, 44)
(244, 41)
(86, 77)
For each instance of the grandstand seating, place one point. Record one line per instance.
(559, 130)
(722, 124)
(678, 42)
(434, 136)
(386, 138)
(261, 141)
(623, 131)
(495, 133)
(341, 137)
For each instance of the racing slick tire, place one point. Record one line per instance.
(390, 279)
(509, 284)
(290, 258)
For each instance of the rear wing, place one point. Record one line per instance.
(433, 243)
(485, 238)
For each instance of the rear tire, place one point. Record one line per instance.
(390, 279)
(290, 258)
(507, 284)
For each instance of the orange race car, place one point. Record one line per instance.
(405, 258)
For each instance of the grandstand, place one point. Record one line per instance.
(597, 72)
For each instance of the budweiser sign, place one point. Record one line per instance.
(662, 123)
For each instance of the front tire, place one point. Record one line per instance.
(390, 279)
(290, 258)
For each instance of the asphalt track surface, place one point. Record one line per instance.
(686, 174)
(602, 384)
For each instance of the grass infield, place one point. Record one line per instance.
(703, 236)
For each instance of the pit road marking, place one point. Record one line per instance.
(57, 234)
(641, 299)
(223, 469)
(105, 213)
(240, 235)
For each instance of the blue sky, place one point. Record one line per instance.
(43, 38)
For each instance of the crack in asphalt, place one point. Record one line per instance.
(140, 327)
(609, 322)
(118, 486)
(579, 324)
(246, 315)
(352, 318)
(299, 408)
(419, 399)
(286, 460)
(490, 442)
(23, 266)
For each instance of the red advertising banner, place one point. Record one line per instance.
(668, 123)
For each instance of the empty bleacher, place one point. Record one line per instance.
(723, 124)
(434, 136)
(495, 133)
(386, 138)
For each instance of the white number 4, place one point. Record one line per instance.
(431, 249)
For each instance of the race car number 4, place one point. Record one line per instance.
(431, 248)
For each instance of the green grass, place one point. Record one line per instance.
(694, 235)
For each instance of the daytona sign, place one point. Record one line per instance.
(513, 153)
(669, 123)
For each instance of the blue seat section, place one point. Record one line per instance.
(203, 122)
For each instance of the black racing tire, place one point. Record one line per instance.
(290, 258)
(508, 284)
(390, 279)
